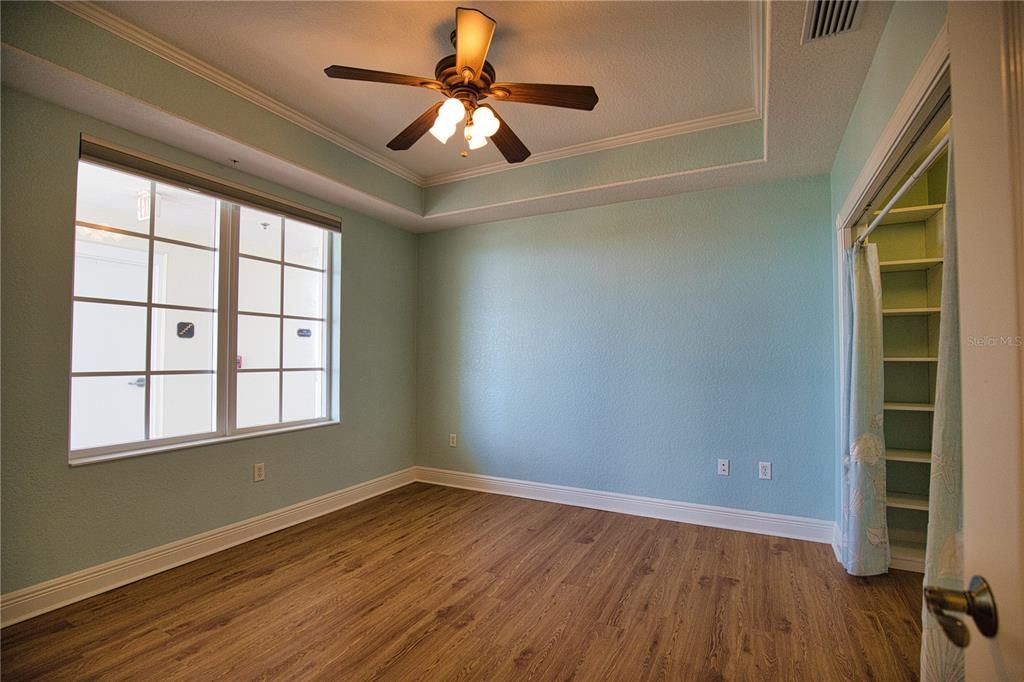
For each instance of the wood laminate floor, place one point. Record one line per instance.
(431, 583)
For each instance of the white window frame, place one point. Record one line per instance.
(230, 203)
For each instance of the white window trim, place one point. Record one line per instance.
(227, 316)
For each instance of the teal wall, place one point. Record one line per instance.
(910, 31)
(678, 154)
(45, 30)
(627, 347)
(621, 348)
(57, 519)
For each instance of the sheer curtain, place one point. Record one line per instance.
(943, 563)
(864, 541)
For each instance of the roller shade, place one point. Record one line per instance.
(108, 154)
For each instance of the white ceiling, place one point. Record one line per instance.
(653, 63)
(809, 92)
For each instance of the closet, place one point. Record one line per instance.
(910, 250)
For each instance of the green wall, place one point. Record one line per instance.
(619, 348)
(627, 347)
(57, 519)
(46, 31)
(909, 33)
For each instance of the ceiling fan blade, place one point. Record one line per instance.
(353, 74)
(473, 33)
(507, 142)
(568, 96)
(416, 129)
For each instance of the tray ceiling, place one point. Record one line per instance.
(653, 64)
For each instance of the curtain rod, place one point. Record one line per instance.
(925, 165)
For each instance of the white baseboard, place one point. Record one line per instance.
(52, 594)
(797, 527)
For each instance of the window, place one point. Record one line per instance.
(195, 318)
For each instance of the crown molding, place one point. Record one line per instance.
(133, 34)
(927, 77)
(758, 72)
(670, 130)
(124, 29)
(758, 50)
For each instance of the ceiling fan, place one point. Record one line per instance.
(465, 78)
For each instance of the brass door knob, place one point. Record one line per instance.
(977, 602)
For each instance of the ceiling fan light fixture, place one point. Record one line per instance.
(485, 121)
(464, 78)
(442, 130)
(475, 137)
(452, 112)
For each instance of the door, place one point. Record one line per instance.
(988, 89)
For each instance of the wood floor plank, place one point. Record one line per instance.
(432, 583)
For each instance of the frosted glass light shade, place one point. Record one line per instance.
(442, 130)
(452, 112)
(485, 121)
(473, 136)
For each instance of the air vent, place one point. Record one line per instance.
(824, 18)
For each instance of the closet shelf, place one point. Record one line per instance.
(907, 556)
(910, 407)
(907, 501)
(909, 359)
(900, 312)
(910, 214)
(909, 264)
(914, 456)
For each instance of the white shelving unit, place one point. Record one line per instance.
(910, 248)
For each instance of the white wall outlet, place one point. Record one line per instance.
(453, 440)
(258, 472)
(723, 467)
(764, 471)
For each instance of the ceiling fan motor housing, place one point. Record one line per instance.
(454, 85)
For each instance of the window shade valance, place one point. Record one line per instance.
(106, 153)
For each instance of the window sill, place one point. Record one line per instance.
(140, 452)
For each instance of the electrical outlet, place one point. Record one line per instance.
(764, 471)
(258, 472)
(453, 440)
(723, 467)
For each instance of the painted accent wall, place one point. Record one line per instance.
(57, 519)
(626, 348)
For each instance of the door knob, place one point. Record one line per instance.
(977, 602)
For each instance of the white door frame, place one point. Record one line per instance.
(987, 60)
(882, 170)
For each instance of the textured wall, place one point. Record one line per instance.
(58, 519)
(48, 31)
(627, 347)
(910, 31)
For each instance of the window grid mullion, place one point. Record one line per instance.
(280, 336)
(140, 235)
(225, 370)
(149, 314)
(232, 369)
(326, 330)
(225, 340)
(281, 261)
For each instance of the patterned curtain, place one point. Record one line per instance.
(943, 563)
(864, 542)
